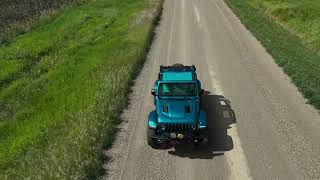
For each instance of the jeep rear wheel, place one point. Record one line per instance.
(152, 142)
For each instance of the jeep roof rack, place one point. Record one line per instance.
(178, 67)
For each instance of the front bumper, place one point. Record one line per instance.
(187, 137)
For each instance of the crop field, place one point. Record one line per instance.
(64, 83)
(19, 15)
(293, 42)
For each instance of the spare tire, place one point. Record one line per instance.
(177, 65)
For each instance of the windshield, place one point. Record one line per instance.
(177, 89)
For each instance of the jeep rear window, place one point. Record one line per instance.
(177, 89)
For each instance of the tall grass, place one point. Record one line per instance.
(63, 85)
(300, 62)
(300, 17)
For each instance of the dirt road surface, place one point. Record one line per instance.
(275, 134)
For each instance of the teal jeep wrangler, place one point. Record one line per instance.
(178, 117)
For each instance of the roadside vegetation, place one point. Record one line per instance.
(293, 39)
(63, 85)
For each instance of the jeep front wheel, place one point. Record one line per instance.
(152, 142)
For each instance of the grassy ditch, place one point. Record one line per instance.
(301, 63)
(64, 84)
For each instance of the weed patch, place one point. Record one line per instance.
(64, 84)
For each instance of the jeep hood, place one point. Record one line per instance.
(177, 110)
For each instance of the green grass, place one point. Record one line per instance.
(301, 17)
(64, 84)
(301, 63)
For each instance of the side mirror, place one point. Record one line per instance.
(202, 91)
(153, 93)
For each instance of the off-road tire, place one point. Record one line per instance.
(152, 142)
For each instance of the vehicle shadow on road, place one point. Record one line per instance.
(219, 116)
